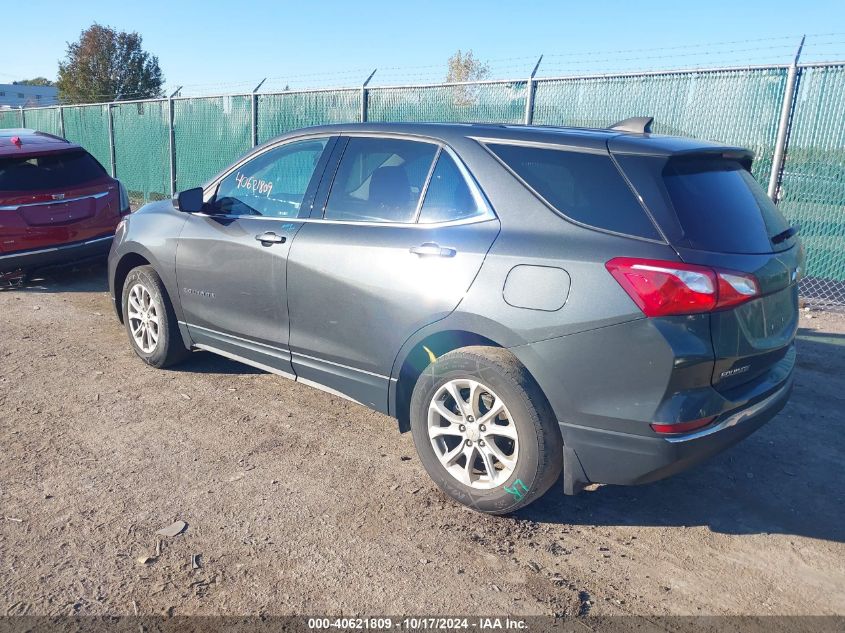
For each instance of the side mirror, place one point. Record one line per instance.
(190, 200)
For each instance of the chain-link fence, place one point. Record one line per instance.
(813, 181)
(160, 146)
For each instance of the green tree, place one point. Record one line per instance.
(108, 65)
(466, 67)
(37, 81)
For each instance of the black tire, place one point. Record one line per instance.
(169, 348)
(540, 454)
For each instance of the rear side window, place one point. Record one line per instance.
(587, 188)
(448, 196)
(379, 180)
(721, 207)
(51, 171)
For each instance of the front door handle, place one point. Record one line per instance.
(268, 237)
(431, 249)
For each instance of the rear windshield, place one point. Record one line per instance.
(51, 171)
(587, 188)
(717, 203)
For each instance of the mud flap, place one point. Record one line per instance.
(574, 478)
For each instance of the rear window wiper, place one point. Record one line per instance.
(792, 231)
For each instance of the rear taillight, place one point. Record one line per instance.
(124, 199)
(682, 427)
(662, 288)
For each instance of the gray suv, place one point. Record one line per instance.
(610, 304)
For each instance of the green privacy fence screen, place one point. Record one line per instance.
(280, 113)
(813, 181)
(142, 148)
(484, 103)
(209, 133)
(10, 119)
(45, 120)
(740, 106)
(89, 126)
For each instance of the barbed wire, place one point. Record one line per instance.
(752, 51)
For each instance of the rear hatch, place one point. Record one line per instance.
(54, 197)
(715, 214)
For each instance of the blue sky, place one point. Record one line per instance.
(216, 46)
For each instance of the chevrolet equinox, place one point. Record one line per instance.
(612, 305)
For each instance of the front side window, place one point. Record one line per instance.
(273, 184)
(379, 180)
(448, 197)
(587, 188)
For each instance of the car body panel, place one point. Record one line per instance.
(353, 307)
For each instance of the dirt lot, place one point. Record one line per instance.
(301, 502)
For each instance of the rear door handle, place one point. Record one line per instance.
(268, 237)
(431, 249)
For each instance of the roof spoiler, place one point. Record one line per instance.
(637, 125)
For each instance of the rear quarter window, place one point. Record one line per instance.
(708, 203)
(51, 171)
(586, 188)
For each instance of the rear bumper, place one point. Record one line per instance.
(622, 458)
(54, 255)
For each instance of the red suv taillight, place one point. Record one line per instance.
(663, 288)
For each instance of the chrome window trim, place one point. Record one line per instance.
(476, 219)
(15, 207)
(562, 147)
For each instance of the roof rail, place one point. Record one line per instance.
(637, 124)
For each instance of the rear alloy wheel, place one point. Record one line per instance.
(150, 320)
(472, 434)
(484, 430)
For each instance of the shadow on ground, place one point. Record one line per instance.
(88, 277)
(787, 478)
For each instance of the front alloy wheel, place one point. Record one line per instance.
(143, 314)
(150, 320)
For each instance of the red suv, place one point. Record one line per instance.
(57, 203)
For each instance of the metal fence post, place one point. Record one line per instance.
(529, 98)
(254, 110)
(171, 141)
(365, 97)
(111, 142)
(783, 125)
(23, 117)
(61, 122)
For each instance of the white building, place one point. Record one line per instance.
(16, 95)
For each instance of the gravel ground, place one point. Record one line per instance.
(300, 502)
